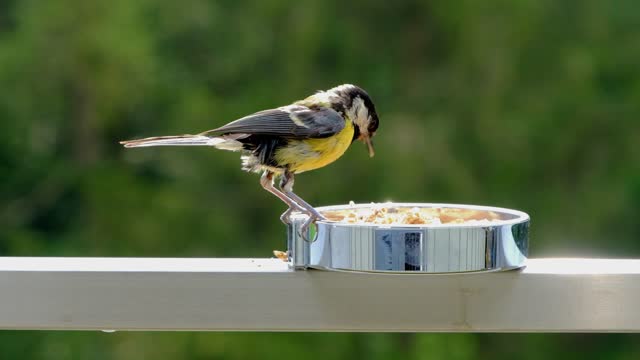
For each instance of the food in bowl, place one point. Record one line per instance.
(388, 214)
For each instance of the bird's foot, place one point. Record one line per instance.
(314, 216)
(286, 216)
(313, 213)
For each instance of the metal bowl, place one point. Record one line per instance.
(498, 244)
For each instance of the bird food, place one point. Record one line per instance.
(387, 214)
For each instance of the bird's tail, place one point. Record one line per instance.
(179, 140)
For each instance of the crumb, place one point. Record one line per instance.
(282, 255)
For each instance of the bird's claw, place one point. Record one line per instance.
(286, 216)
(303, 231)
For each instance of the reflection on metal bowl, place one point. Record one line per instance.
(446, 238)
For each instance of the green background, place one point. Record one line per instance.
(528, 104)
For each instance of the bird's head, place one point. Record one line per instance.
(356, 105)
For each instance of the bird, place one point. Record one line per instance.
(282, 142)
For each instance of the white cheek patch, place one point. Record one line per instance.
(363, 115)
(359, 114)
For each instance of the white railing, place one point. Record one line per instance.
(265, 295)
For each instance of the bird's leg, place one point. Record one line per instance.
(266, 180)
(286, 186)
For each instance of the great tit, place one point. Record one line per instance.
(292, 139)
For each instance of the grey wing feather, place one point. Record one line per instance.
(297, 122)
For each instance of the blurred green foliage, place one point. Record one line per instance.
(527, 104)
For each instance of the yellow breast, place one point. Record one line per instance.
(310, 154)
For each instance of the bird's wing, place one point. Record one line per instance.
(293, 121)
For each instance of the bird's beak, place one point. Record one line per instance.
(369, 143)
